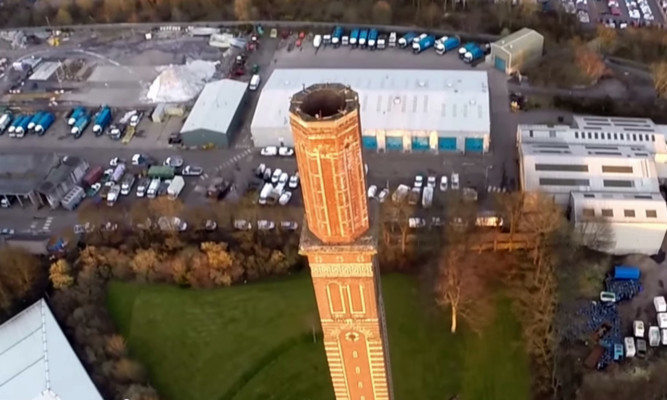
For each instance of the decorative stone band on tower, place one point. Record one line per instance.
(327, 140)
(339, 238)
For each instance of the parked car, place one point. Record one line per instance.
(6, 231)
(269, 151)
(283, 178)
(419, 181)
(292, 226)
(259, 172)
(174, 161)
(115, 161)
(372, 190)
(192, 170)
(416, 223)
(382, 196)
(136, 118)
(286, 151)
(443, 183)
(242, 225)
(284, 198)
(294, 181)
(265, 225)
(276, 175)
(431, 181)
(210, 225)
(317, 41)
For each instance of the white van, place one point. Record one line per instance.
(392, 39)
(630, 349)
(254, 82)
(638, 328)
(660, 304)
(154, 186)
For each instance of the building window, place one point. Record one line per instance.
(589, 195)
(561, 167)
(360, 385)
(615, 136)
(355, 354)
(552, 134)
(629, 213)
(596, 135)
(616, 169)
(651, 214)
(643, 196)
(576, 135)
(357, 370)
(622, 138)
(530, 133)
(588, 212)
(641, 138)
(590, 136)
(634, 137)
(617, 183)
(652, 138)
(563, 182)
(607, 212)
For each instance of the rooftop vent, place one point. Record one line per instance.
(473, 102)
(397, 100)
(421, 83)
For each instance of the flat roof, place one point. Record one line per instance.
(579, 151)
(216, 106)
(515, 38)
(23, 173)
(37, 362)
(59, 173)
(390, 99)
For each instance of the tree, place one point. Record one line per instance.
(60, 274)
(63, 17)
(116, 346)
(221, 264)
(20, 273)
(144, 263)
(510, 207)
(595, 233)
(607, 38)
(659, 74)
(460, 286)
(590, 62)
(244, 10)
(396, 216)
(164, 206)
(382, 13)
(128, 371)
(140, 392)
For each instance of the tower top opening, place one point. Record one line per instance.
(323, 103)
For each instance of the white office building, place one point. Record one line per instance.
(607, 171)
(401, 110)
(620, 223)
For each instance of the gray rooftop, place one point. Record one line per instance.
(216, 106)
(59, 174)
(37, 362)
(22, 173)
(390, 99)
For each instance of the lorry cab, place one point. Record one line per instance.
(466, 48)
(254, 82)
(363, 38)
(354, 37)
(382, 42)
(418, 39)
(392, 39)
(345, 40)
(406, 40)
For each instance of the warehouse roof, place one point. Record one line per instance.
(216, 106)
(37, 362)
(516, 39)
(390, 99)
(22, 173)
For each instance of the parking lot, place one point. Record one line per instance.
(122, 68)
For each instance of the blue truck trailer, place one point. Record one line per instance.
(449, 44)
(45, 123)
(406, 40)
(80, 126)
(22, 127)
(74, 116)
(624, 272)
(363, 38)
(373, 38)
(336, 36)
(12, 127)
(466, 48)
(474, 54)
(102, 120)
(425, 43)
(35, 119)
(354, 37)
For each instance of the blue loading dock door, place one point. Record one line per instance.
(500, 64)
(474, 145)
(369, 142)
(420, 144)
(394, 143)
(447, 144)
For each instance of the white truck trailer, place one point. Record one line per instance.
(175, 187)
(112, 196)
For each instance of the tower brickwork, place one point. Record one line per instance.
(339, 239)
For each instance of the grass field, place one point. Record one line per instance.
(256, 342)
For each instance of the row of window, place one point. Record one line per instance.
(608, 213)
(610, 169)
(609, 196)
(610, 183)
(634, 137)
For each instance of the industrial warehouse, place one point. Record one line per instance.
(519, 50)
(607, 172)
(215, 114)
(401, 110)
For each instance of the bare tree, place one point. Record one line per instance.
(396, 216)
(659, 74)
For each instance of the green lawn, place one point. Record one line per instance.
(255, 342)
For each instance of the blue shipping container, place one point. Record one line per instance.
(625, 272)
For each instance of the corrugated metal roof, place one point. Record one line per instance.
(390, 99)
(617, 204)
(37, 362)
(216, 106)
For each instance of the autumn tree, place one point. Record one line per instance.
(382, 13)
(607, 38)
(659, 74)
(396, 217)
(60, 274)
(244, 10)
(127, 371)
(222, 269)
(116, 346)
(20, 273)
(460, 286)
(588, 61)
(144, 263)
